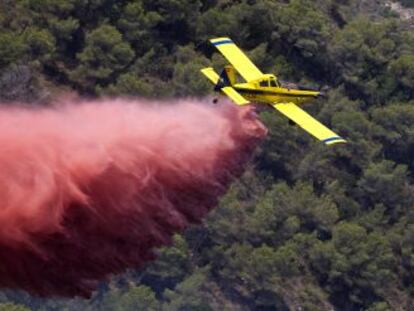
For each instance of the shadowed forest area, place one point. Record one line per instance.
(307, 227)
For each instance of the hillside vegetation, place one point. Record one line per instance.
(307, 227)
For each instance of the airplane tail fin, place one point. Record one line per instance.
(231, 74)
(227, 78)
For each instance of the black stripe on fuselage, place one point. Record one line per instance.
(264, 92)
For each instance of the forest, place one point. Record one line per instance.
(307, 227)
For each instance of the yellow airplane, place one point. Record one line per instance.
(264, 88)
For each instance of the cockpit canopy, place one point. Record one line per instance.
(269, 81)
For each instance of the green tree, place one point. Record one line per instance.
(12, 307)
(173, 263)
(354, 263)
(395, 131)
(11, 48)
(190, 294)
(386, 183)
(403, 69)
(134, 298)
(186, 75)
(362, 51)
(301, 26)
(138, 25)
(176, 18)
(40, 45)
(131, 84)
(283, 211)
(105, 53)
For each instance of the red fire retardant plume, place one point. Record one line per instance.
(90, 189)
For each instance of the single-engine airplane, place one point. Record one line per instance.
(266, 89)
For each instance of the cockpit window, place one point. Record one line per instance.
(273, 83)
(264, 83)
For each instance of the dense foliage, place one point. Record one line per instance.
(307, 227)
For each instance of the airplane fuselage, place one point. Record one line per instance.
(272, 95)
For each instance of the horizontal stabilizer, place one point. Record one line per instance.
(211, 75)
(235, 96)
(308, 123)
(228, 90)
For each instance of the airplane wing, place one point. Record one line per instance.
(237, 58)
(308, 123)
(211, 75)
